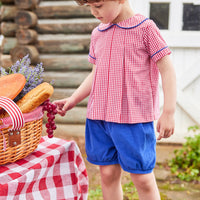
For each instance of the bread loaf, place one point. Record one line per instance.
(33, 98)
(11, 85)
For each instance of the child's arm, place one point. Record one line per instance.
(166, 123)
(80, 93)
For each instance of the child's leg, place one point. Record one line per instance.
(111, 182)
(146, 186)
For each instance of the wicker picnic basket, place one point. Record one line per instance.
(20, 133)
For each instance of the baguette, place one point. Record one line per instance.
(33, 98)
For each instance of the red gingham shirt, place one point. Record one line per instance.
(125, 86)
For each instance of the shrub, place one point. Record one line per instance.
(186, 164)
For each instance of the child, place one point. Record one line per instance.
(127, 53)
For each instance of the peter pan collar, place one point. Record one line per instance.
(130, 23)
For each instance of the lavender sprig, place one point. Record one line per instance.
(33, 75)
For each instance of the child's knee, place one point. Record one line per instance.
(110, 173)
(144, 181)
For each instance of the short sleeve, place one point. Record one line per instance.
(91, 56)
(154, 42)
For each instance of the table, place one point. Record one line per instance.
(54, 171)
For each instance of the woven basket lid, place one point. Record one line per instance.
(11, 85)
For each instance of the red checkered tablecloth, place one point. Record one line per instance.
(54, 171)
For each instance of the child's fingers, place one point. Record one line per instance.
(65, 107)
(161, 135)
(60, 112)
(169, 133)
(59, 109)
(165, 133)
(58, 102)
(158, 127)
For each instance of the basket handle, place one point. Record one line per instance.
(14, 112)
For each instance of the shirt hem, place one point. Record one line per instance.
(91, 59)
(161, 53)
(125, 122)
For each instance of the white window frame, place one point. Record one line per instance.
(175, 36)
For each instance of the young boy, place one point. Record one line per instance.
(127, 53)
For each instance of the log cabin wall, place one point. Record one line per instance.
(56, 33)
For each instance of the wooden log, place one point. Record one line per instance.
(75, 116)
(63, 43)
(65, 11)
(61, 93)
(5, 61)
(8, 44)
(8, 12)
(65, 80)
(65, 131)
(20, 51)
(66, 26)
(7, 1)
(26, 36)
(26, 4)
(8, 29)
(65, 62)
(67, 44)
(26, 19)
(54, 0)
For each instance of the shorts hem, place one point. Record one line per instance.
(133, 171)
(103, 162)
(137, 171)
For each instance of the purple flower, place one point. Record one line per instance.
(3, 71)
(33, 75)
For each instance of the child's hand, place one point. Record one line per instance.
(165, 126)
(64, 105)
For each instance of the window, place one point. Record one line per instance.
(159, 13)
(171, 15)
(191, 17)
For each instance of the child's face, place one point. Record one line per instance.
(106, 11)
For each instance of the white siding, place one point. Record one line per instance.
(185, 46)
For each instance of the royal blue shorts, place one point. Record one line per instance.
(133, 146)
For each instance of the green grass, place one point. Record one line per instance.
(95, 194)
(173, 187)
(129, 191)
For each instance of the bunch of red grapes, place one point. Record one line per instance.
(51, 112)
